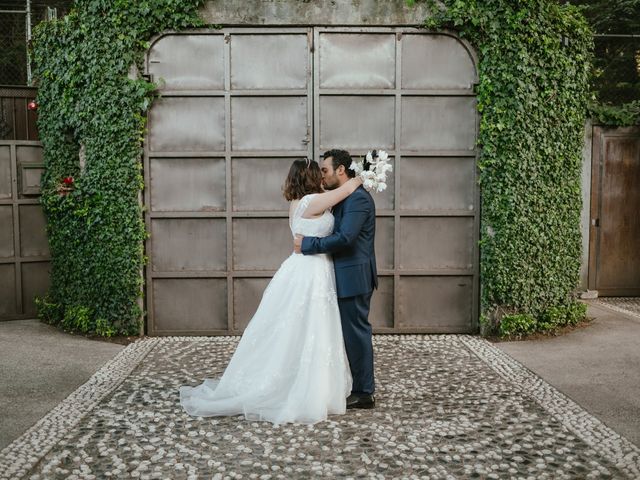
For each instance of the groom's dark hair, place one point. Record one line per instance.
(340, 157)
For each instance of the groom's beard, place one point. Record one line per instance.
(331, 185)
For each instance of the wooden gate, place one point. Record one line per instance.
(614, 240)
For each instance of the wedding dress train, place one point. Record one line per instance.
(290, 364)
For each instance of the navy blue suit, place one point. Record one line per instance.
(354, 258)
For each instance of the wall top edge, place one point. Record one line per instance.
(313, 12)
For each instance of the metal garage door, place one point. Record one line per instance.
(238, 105)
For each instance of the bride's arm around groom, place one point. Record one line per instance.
(352, 247)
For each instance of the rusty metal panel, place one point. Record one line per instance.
(446, 243)
(30, 168)
(6, 231)
(190, 304)
(381, 312)
(187, 62)
(8, 304)
(438, 123)
(269, 61)
(436, 62)
(5, 172)
(33, 227)
(29, 154)
(187, 184)
(185, 124)
(269, 123)
(384, 242)
(30, 175)
(439, 303)
(357, 122)
(35, 282)
(261, 243)
(357, 60)
(188, 244)
(445, 183)
(247, 294)
(257, 182)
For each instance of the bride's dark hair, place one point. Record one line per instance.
(304, 178)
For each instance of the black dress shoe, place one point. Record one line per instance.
(361, 401)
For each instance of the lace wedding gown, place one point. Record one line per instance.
(290, 364)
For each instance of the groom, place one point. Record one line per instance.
(354, 258)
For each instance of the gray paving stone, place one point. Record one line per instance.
(449, 406)
(629, 305)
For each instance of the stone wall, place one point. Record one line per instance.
(314, 12)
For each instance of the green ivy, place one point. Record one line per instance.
(625, 115)
(95, 223)
(534, 67)
(519, 325)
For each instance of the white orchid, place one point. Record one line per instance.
(356, 167)
(375, 177)
(369, 177)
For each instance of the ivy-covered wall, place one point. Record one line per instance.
(95, 223)
(532, 96)
(534, 70)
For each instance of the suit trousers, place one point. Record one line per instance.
(356, 330)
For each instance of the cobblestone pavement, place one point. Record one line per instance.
(449, 406)
(629, 305)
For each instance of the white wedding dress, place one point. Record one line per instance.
(290, 364)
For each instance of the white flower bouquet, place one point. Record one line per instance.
(374, 177)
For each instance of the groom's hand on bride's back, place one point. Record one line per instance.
(297, 243)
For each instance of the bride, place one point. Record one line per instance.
(290, 364)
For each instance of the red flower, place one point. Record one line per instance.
(68, 181)
(32, 105)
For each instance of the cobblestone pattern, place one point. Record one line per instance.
(628, 305)
(598, 436)
(448, 407)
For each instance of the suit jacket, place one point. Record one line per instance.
(351, 243)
